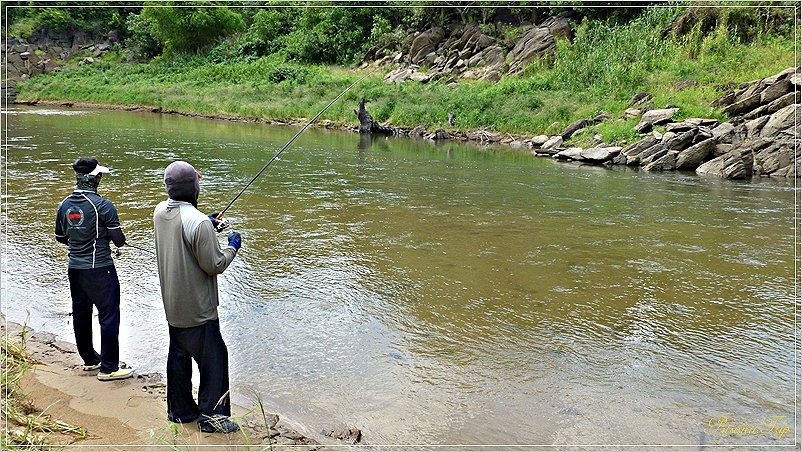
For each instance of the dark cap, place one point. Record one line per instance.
(182, 182)
(89, 166)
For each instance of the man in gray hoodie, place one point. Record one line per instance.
(189, 258)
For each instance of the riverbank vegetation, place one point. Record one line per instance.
(285, 63)
(29, 426)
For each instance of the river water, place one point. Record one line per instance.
(441, 294)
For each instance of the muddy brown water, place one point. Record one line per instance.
(441, 294)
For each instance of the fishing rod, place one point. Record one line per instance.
(275, 157)
(117, 250)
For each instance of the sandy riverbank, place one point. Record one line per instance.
(130, 415)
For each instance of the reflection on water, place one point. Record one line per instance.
(441, 294)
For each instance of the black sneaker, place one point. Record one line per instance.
(217, 424)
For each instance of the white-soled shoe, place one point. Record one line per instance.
(119, 374)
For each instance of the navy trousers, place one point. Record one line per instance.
(205, 345)
(96, 287)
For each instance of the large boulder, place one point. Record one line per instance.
(784, 122)
(425, 43)
(692, 157)
(736, 164)
(535, 41)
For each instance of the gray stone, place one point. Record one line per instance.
(721, 149)
(743, 106)
(424, 43)
(667, 162)
(553, 142)
(600, 154)
(723, 132)
(736, 164)
(655, 117)
(776, 91)
(569, 154)
(633, 151)
(754, 126)
(574, 127)
(777, 156)
(782, 102)
(692, 157)
(539, 140)
(680, 141)
(783, 121)
(644, 161)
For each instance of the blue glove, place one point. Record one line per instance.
(219, 225)
(234, 240)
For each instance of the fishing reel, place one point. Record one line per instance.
(222, 225)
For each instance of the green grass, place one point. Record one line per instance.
(599, 72)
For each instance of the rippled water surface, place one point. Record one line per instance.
(440, 294)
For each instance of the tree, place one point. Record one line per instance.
(191, 29)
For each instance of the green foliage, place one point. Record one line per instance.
(610, 58)
(181, 30)
(141, 39)
(330, 35)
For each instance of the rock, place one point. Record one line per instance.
(569, 154)
(638, 147)
(640, 98)
(655, 117)
(534, 41)
(343, 433)
(439, 134)
(776, 91)
(723, 132)
(87, 60)
(732, 165)
(419, 77)
(754, 126)
(775, 157)
(539, 141)
(782, 102)
(785, 121)
(679, 141)
(418, 131)
(726, 99)
(743, 106)
(574, 127)
(665, 163)
(692, 157)
(630, 113)
(657, 154)
(679, 126)
(721, 149)
(425, 43)
(553, 142)
(600, 154)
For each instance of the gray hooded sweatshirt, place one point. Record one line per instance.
(188, 254)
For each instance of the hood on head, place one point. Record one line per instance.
(182, 182)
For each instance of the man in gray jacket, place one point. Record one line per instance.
(189, 258)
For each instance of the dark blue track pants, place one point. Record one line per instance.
(205, 345)
(96, 287)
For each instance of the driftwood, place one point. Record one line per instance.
(368, 125)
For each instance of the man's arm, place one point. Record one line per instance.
(59, 230)
(210, 257)
(112, 223)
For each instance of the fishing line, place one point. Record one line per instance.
(276, 156)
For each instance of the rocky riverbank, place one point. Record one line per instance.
(760, 138)
(132, 412)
